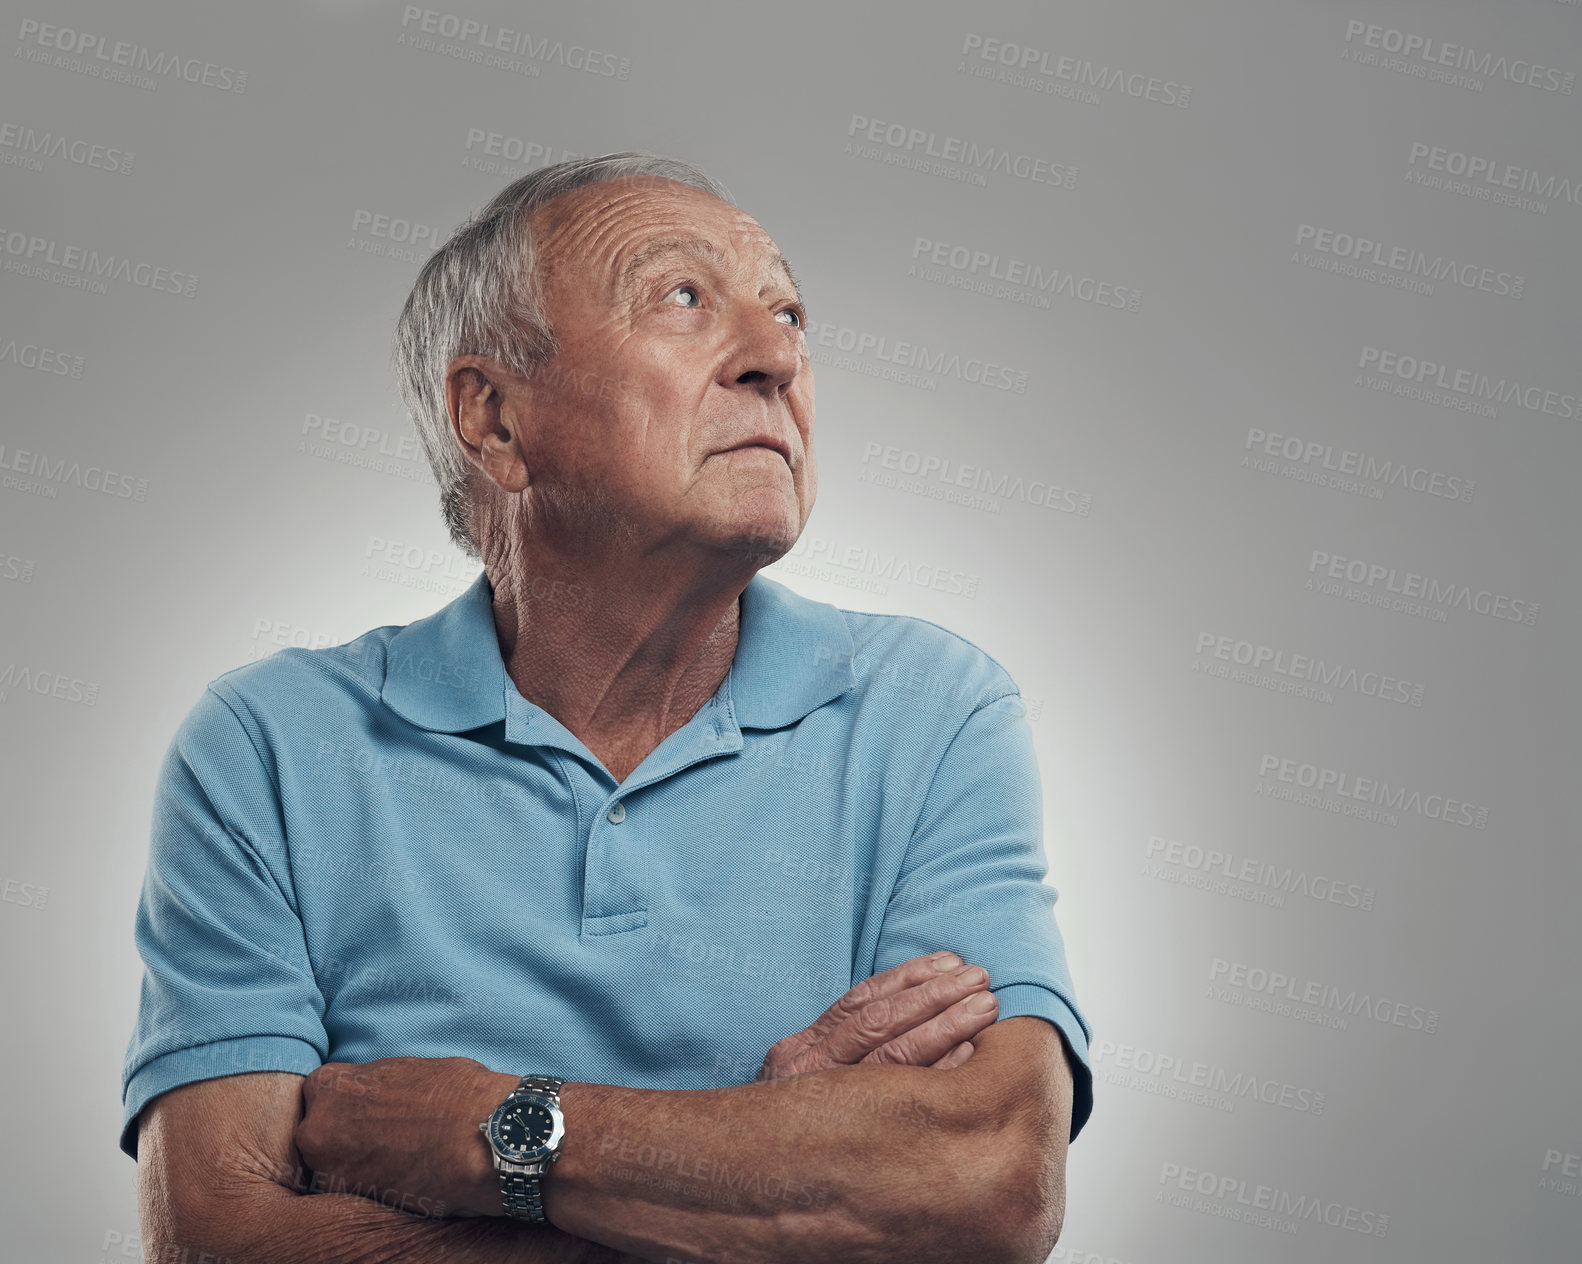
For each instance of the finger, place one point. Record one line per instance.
(926, 1043)
(886, 983)
(892, 1016)
(956, 1056)
(318, 1078)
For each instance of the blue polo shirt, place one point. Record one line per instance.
(382, 849)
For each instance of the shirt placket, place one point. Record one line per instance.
(613, 827)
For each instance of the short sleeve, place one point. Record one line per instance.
(972, 881)
(227, 984)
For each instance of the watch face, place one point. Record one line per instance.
(525, 1129)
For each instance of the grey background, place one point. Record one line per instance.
(238, 520)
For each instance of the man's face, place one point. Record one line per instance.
(681, 340)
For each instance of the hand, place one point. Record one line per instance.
(404, 1131)
(914, 1014)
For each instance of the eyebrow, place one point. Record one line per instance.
(698, 247)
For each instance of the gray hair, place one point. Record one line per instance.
(479, 294)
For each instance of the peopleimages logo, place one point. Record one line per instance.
(1424, 52)
(928, 468)
(29, 355)
(47, 684)
(1184, 1074)
(1409, 262)
(1238, 1199)
(412, 566)
(978, 268)
(884, 566)
(1307, 669)
(362, 437)
(485, 41)
(392, 236)
(39, 467)
(20, 569)
(23, 145)
(85, 268)
(1421, 372)
(928, 150)
(1023, 65)
(1478, 169)
(1562, 1173)
(121, 60)
(1278, 986)
(1416, 586)
(1212, 869)
(1367, 790)
(1317, 455)
(911, 362)
(499, 151)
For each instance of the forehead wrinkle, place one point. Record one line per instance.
(568, 242)
(785, 266)
(699, 247)
(575, 234)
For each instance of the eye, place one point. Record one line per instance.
(686, 288)
(794, 312)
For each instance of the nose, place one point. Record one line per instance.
(767, 352)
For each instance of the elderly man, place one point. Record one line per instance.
(631, 906)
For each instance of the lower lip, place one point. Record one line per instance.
(757, 447)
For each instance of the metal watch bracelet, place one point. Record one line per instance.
(521, 1191)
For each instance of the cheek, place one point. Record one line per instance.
(802, 407)
(661, 387)
(627, 378)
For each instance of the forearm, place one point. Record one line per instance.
(854, 1163)
(262, 1222)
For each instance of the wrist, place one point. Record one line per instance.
(556, 1180)
(478, 1181)
(579, 1197)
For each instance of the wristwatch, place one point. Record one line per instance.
(525, 1133)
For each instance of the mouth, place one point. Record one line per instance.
(765, 442)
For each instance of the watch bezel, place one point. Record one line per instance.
(532, 1155)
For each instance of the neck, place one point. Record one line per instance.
(622, 650)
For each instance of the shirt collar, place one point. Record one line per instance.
(793, 654)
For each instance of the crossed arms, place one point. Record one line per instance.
(891, 1149)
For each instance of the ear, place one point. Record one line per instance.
(488, 408)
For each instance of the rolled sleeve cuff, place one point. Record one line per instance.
(1018, 999)
(208, 1062)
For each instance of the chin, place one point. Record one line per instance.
(763, 540)
(763, 530)
(766, 549)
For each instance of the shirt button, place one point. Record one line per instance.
(616, 814)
